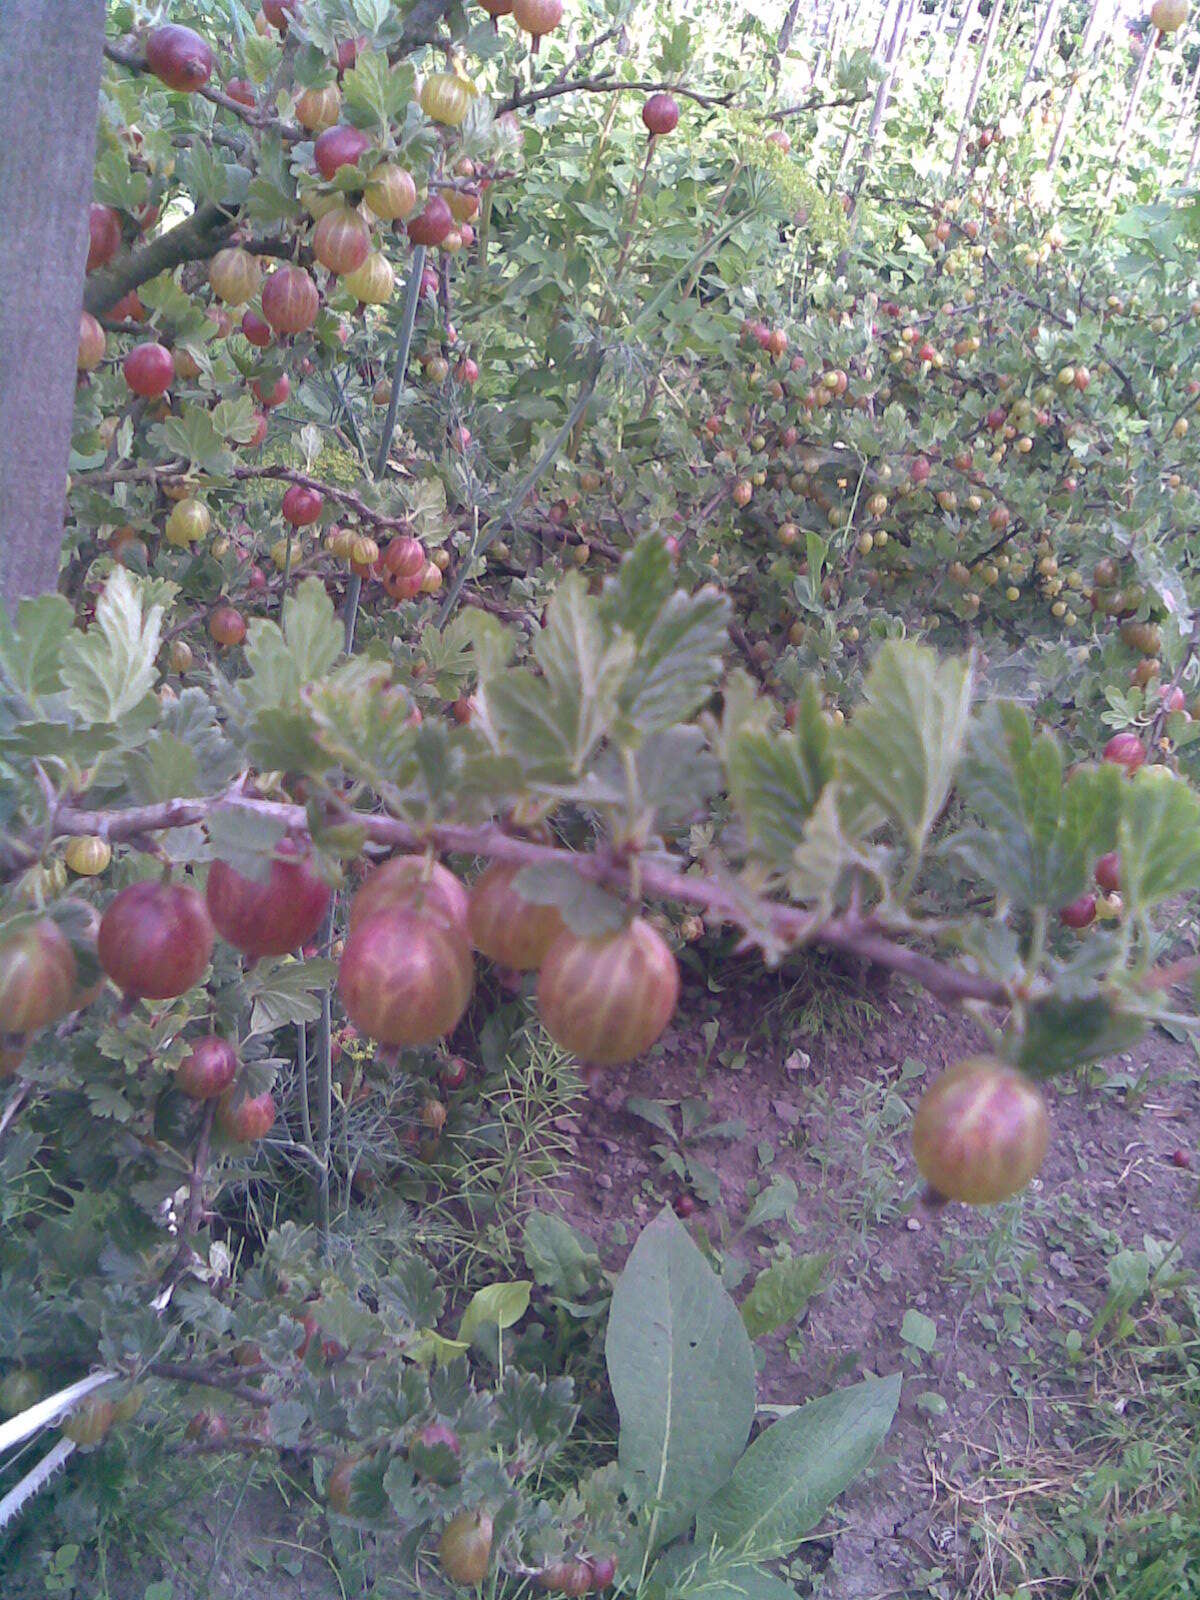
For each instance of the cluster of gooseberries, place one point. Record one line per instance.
(407, 971)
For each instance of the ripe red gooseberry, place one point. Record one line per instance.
(1079, 913)
(507, 928)
(405, 979)
(155, 940)
(980, 1132)
(1125, 750)
(660, 114)
(413, 883)
(607, 1000)
(272, 917)
(179, 57)
(208, 1069)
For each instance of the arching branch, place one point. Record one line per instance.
(196, 239)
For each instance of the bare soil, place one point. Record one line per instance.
(1111, 1178)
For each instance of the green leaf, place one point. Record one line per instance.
(682, 1374)
(688, 1573)
(655, 1112)
(110, 669)
(1039, 836)
(918, 1330)
(678, 663)
(30, 652)
(246, 840)
(499, 1305)
(780, 1293)
(641, 586)
(195, 435)
(377, 92)
(775, 1201)
(1158, 838)
(284, 661)
(900, 752)
(187, 753)
(554, 723)
(586, 908)
(782, 1485)
(1061, 1032)
(560, 1259)
(287, 991)
(776, 779)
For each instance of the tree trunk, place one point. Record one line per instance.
(1045, 37)
(989, 40)
(1094, 37)
(853, 128)
(1135, 99)
(961, 40)
(904, 13)
(50, 58)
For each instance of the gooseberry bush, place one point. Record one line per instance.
(513, 534)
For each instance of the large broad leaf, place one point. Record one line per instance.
(776, 779)
(682, 1374)
(900, 753)
(790, 1474)
(1061, 1033)
(1040, 835)
(1159, 838)
(110, 669)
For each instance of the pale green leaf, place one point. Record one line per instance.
(286, 990)
(783, 1484)
(1159, 838)
(586, 908)
(1039, 836)
(678, 662)
(111, 668)
(497, 1305)
(776, 779)
(900, 752)
(682, 1375)
(918, 1330)
(781, 1292)
(285, 661)
(30, 652)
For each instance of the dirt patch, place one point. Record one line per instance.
(1002, 1290)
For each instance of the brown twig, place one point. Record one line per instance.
(789, 925)
(597, 85)
(211, 1376)
(176, 469)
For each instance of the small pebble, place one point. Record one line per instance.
(603, 1181)
(913, 1225)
